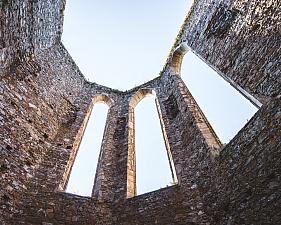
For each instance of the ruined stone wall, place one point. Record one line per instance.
(245, 187)
(34, 107)
(111, 179)
(39, 85)
(61, 208)
(240, 40)
(27, 26)
(45, 103)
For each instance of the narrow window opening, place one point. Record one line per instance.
(152, 164)
(225, 108)
(81, 180)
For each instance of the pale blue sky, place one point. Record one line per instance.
(122, 44)
(83, 172)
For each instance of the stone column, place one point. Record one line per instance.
(111, 175)
(190, 136)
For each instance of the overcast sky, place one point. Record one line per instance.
(122, 44)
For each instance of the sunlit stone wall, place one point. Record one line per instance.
(45, 101)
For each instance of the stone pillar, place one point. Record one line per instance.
(101, 189)
(111, 175)
(131, 173)
(188, 132)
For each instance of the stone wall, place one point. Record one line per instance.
(245, 181)
(45, 103)
(27, 26)
(240, 40)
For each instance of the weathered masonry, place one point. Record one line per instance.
(45, 102)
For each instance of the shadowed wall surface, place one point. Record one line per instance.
(45, 103)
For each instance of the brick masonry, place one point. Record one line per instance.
(45, 103)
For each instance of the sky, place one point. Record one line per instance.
(122, 44)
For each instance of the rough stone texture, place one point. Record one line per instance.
(240, 39)
(45, 103)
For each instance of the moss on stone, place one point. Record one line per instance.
(3, 3)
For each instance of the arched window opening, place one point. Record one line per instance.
(226, 109)
(81, 180)
(153, 161)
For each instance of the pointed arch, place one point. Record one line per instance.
(177, 58)
(132, 159)
(89, 147)
(102, 99)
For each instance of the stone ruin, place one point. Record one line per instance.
(45, 102)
